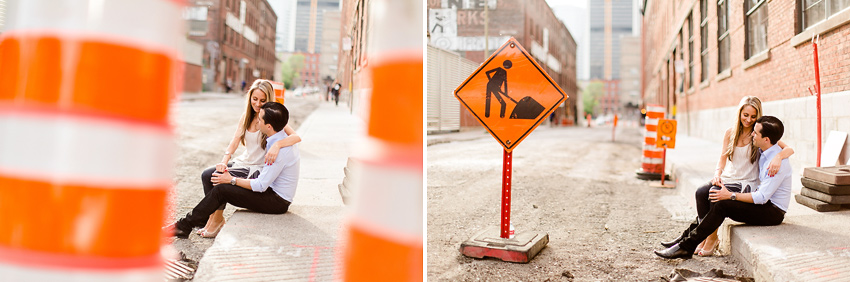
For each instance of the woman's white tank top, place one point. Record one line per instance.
(740, 169)
(254, 154)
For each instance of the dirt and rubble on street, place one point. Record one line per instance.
(204, 125)
(574, 184)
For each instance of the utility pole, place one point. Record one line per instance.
(486, 29)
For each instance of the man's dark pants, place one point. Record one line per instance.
(267, 202)
(206, 177)
(753, 214)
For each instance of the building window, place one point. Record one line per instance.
(681, 51)
(690, 51)
(815, 11)
(703, 34)
(722, 36)
(756, 27)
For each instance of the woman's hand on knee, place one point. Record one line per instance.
(220, 167)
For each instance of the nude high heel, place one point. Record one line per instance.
(212, 233)
(707, 252)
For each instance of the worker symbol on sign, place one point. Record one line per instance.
(497, 85)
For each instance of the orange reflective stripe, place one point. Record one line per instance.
(655, 115)
(651, 127)
(396, 102)
(370, 258)
(651, 154)
(34, 70)
(112, 222)
(649, 140)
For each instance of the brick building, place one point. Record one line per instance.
(353, 51)
(459, 26)
(238, 39)
(701, 56)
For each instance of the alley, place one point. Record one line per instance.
(573, 183)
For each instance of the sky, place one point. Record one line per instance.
(576, 3)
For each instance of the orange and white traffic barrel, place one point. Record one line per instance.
(384, 232)
(653, 157)
(278, 91)
(86, 147)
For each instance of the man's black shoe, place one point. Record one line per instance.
(674, 242)
(184, 234)
(674, 252)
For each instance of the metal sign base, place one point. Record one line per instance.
(522, 248)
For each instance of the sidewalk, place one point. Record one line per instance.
(301, 244)
(807, 246)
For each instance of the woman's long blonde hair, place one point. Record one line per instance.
(266, 87)
(738, 129)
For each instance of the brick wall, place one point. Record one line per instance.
(192, 78)
(781, 80)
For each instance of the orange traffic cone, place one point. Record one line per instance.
(651, 162)
(86, 148)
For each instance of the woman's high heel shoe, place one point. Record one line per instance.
(212, 233)
(707, 252)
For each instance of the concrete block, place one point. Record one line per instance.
(838, 175)
(824, 187)
(811, 108)
(795, 130)
(809, 129)
(522, 248)
(832, 199)
(816, 204)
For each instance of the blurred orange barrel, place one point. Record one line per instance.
(278, 91)
(86, 147)
(653, 157)
(384, 231)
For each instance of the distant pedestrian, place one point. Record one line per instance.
(335, 92)
(552, 119)
(243, 85)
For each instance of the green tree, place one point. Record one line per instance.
(292, 71)
(590, 96)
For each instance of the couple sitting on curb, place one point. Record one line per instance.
(764, 206)
(271, 192)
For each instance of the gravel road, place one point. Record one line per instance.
(573, 183)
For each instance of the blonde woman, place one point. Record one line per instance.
(249, 164)
(737, 169)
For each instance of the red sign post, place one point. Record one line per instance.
(510, 95)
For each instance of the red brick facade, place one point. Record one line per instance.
(192, 78)
(780, 76)
(785, 73)
(229, 57)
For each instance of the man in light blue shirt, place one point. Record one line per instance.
(765, 206)
(272, 192)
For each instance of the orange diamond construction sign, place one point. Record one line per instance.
(510, 94)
